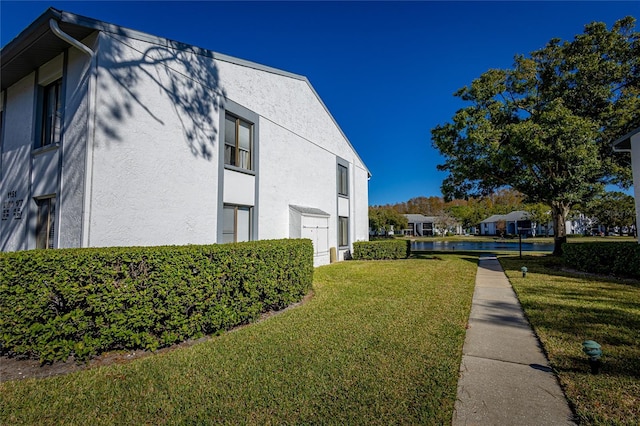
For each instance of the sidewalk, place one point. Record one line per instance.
(505, 378)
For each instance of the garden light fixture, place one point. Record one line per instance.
(593, 350)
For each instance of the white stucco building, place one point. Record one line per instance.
(503, 224)
(113, 137)
(420, 225)
(518, 221)
(631, 143)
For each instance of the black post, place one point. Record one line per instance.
(520, 242)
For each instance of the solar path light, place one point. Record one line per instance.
(593, 350)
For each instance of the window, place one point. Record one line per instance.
(238, 142)
(51, 113)
(236, 224)
(343, 180)
(45, 228)
(343, 231)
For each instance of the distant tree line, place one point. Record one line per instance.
(611, 210)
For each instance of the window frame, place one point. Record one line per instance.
(50, 231)
(236, 208)
(238, 121)
(50, 127)
(343, 180)
(343, 231)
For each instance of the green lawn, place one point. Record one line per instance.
(379, 343)
(566, 309)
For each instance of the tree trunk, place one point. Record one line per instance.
(559, 211)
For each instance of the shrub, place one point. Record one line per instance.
(622, 259)
(81, 302)
(383, 249)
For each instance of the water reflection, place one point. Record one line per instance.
(498, 245)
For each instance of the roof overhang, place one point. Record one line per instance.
(624, 143)
(37, 44)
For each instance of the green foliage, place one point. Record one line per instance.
(428, 206)
(539, 214)
(380, 343)
(545, 127)
(621, 259)
(379, 250)
(80, 302)
(612, 209)
(385, 219)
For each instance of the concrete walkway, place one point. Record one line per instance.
(505, 377)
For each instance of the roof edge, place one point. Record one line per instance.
(139, 35)
(29, 34)
(623, 144)
(34, 31)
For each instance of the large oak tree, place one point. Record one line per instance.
(545, 126)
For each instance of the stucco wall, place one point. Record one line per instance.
(139, 163)
(154, 159)
(16, 157)
(287, 101)
(74, 146)
(155, 164)
(299, 148)
(292, 172)
(361, 205)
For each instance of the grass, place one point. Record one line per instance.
(567, 308)
(379, 343)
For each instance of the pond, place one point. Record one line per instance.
(497, 245)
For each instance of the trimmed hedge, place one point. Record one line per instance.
(381, 249)
(81, 302)
(621, 259)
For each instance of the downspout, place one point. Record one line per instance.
(53, 24)
(88, 170)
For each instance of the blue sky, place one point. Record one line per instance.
(387, 71)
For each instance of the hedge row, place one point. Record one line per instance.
(81, 302)
(621, 259)
(383, 249)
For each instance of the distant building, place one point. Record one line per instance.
(429, 226)
(419, 225)
(518, 222)
(506, 224)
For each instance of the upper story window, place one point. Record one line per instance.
(238, 142)
(51, 113)
(343, 180)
